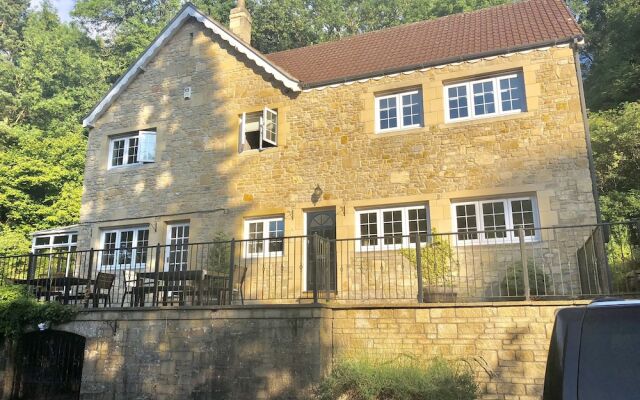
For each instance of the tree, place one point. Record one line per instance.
(616, 149)
(46, 88)
(613, 52)
(13, 15)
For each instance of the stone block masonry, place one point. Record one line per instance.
(281, 352)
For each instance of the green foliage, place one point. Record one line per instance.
(13, 14)
(616, 149)
(396, 380)
(612, 53)
(19, 310)
(219, 255)
(513, 282)
(437, 259)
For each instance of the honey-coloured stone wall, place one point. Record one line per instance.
(327, 139)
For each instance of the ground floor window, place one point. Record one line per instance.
(55, 243)
(125, 247)
(495, 220)
(391, 227)
(264, 236)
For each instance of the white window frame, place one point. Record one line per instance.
(405, 243)
(266, 113)
(399, 111)
(145, 139)
(266, 239)
(51, 245)
(118, 231)
(497, 97)
(511, 236)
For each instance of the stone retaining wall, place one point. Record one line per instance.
(505, 343)
(281, 352)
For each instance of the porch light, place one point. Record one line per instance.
(317, 193)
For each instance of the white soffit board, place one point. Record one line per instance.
(188, 11)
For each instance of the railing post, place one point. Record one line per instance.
(88, 290)
(232, 253)
(155, 280)
(315, 244)
(525, 267)
(31, 267)
(419, 270)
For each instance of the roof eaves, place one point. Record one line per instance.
(442, 61)
(188, 11)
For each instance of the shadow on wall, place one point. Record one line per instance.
(197, 157)
(196, 354)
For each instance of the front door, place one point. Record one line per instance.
(177, 250)
(322, 223)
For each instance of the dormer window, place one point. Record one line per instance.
(399, 111)
(486, 97)
(132, 149)
(259, 130)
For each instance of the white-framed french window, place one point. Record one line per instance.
(400, 110)
(264, 237)
(259, 130)
(391, 227)
(177, 247)
(495, 220)
(132, 149)
(125, 248)
(485, 97)
(58, 248)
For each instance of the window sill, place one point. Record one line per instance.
(129, 166)
(493, 242)
(489, 118)
(257, 151)
(399, 131)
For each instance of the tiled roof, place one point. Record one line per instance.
(491, 31)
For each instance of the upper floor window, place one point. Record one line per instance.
(130, 149)
(400, 110)
(498, 95)
(259, 130)
(264, 236)
(495, 220)
(126, 247)
(392, 227)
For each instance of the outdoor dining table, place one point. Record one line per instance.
(177, 281)
(65, 281)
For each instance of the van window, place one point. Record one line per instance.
(609, 353)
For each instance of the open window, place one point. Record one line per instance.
(131, 149)
(259, 130)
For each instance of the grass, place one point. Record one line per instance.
(397, 380)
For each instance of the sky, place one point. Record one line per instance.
(63, 6)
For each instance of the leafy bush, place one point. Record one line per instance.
(437, 259)
(409, 380)
(20, 310)
(219, 254)
(513, 282)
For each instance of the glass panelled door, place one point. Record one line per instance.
(177, 253)
(323, 224)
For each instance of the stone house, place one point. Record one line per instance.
(472, 123)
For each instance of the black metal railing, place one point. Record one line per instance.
(581, 261)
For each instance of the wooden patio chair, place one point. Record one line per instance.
(132, 288)
(104, 281)
(226, 294)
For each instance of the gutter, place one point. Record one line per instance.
(443, 61)
(585, 119)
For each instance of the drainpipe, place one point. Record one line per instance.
(577, 43)
(607, 276)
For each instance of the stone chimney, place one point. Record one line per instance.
(240, 22)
